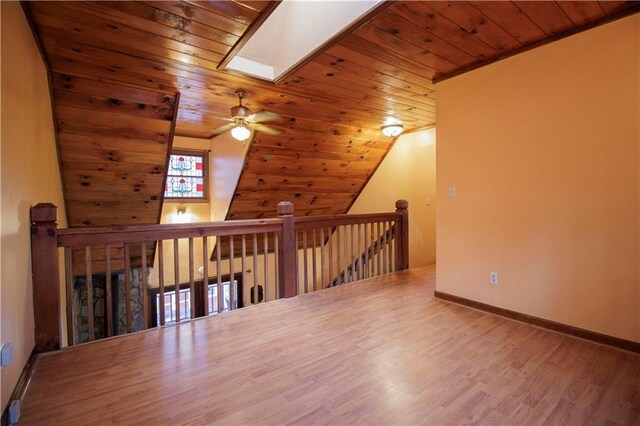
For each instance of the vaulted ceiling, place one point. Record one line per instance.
(118, 56)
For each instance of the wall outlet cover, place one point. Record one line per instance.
(14, 412)
(493, 278)
(6, 354)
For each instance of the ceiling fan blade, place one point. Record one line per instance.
(263, 117)
(265, 129)
(220, 130)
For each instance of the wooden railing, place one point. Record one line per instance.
(115, 278)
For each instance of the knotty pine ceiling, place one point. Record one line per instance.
(333, 106)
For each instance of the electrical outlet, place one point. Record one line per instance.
(428, 201)
(6, 354)
(493, 278)
(13, 413)
(453, 191)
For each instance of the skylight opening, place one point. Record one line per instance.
(293, 31)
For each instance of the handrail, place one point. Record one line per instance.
(106, 268)
(310, 222)
(137, 233)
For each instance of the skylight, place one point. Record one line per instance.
(294, 30)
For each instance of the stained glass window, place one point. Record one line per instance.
(186, 176)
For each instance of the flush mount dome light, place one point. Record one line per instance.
(240, 132)
(392, 130)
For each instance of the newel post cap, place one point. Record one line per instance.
(44, 212)
(285, 208)
(402, 205)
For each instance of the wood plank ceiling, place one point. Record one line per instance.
(333, 106)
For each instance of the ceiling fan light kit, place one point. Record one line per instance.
(392, 130)
(244, 123)
(240, 132)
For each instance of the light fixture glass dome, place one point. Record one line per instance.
(240, 132)
(392, 130)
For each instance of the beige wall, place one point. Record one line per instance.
(407, 172)
(544, 151)
(29, 175)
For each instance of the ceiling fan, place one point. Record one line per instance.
(243, 122)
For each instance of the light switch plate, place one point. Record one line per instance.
(453, 191)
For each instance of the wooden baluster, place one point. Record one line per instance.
(338, 254)
(371, 251)
(389, 248)
(304, 258)
(297, 262)
(219, 288)
(367, 262)
(161, 281)
(322, 246)
(345, 276)
(353, 256)
(276, 259)
(330, 258)
(107, 289)
(192, 283)
(266, 267)
(176, 277)
(379, 251)
(89, 282)
(255, 270)
(127, 287)
(393, 247)
(313, 261)
(68, 279)
(361, 247)
(244, 269)
(385, 265)
(357, 263)
(205, 277)
(402, 234)
(383, 247)
(232, 276)
(145, 287)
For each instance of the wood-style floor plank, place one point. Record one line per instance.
(380, 351)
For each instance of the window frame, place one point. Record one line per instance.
(205, 176)
(153, 292)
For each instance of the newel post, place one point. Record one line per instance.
(402, 235)
(287, 252)
(45, 277)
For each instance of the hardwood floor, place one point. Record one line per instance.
(379, 351)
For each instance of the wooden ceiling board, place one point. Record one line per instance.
(547, 15)
(405, 29)
(510, 18)
(471, 20)
(332, 107)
